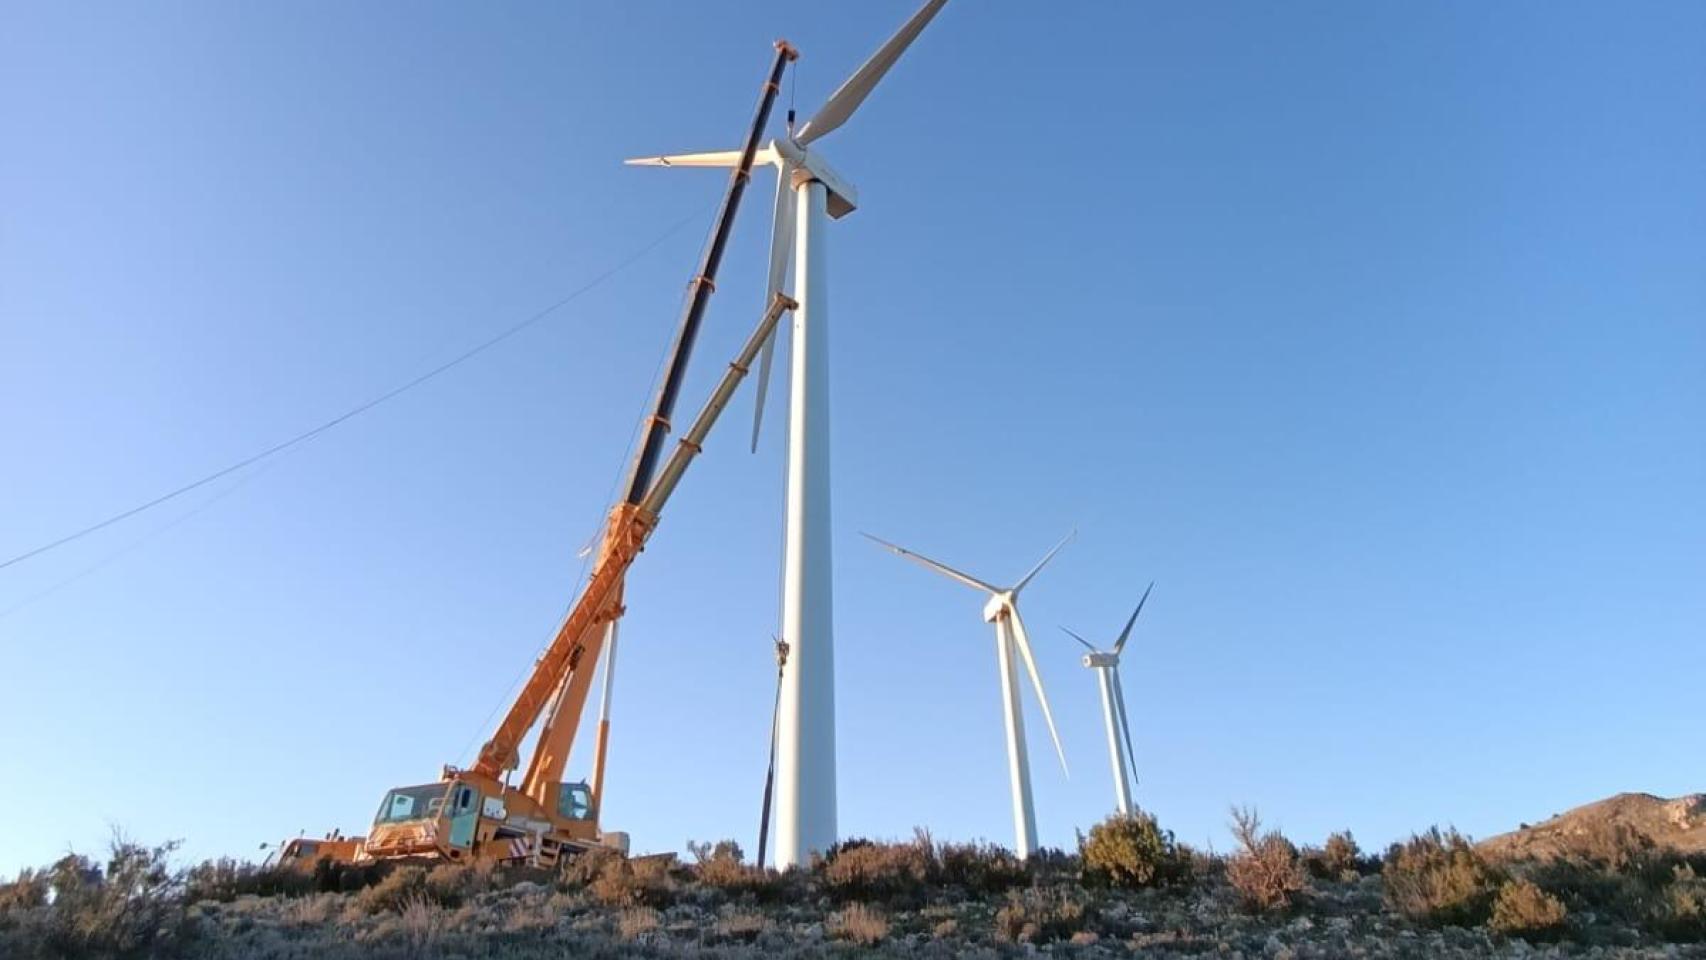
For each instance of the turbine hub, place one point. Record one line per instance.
(808, 166)
(997, 607)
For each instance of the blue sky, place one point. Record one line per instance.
(1372, 332)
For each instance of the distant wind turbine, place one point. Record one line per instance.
(1106, 663)
(1002, 610)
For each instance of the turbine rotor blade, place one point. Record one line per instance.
(937, 566)
(781, 252)
(714, 158)
(1044, 561)
(853, 92)
(1125, 726)
(1024, 644)
(1126, 633)
(1080, 639)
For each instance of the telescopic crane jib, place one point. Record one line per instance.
(475, 814)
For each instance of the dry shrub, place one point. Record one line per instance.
(27, 892)
(313, 910)
(1041, 915)
(636, 922)
(131, 906)
(743, 926)
(945, 929)
(883, 872)
(1265, 871)
(978, 868)
(420, 922)
(452, 884)
(1680, 909)
(1131, 851)
(226, 879)
(861, 923)
(1198, 865)
(583, 868)
(1523, 909)
(719, 866)
(1617, 847)
(1439, 878)
(335, 876)
(645, 881)
(1340, 860)
(393, 893)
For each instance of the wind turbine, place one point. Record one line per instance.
(1002, 610)
(1106, 663)
(808, 192)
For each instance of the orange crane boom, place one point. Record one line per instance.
(475, 814)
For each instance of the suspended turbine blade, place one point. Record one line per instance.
(1044, 561)
(850, 94)
(1080, 639)
(939, 567)
(714, 158)
(1126, 633)
(1125, 726)
(1024, 639)
(781, 252)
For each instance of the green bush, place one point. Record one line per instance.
(1523, 909)
(1131, 852)
(1439, 878)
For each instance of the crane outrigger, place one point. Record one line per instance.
(475, 814)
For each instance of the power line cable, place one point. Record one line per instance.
(310, 434)
(119, 554)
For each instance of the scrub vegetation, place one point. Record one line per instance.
(1128, 890)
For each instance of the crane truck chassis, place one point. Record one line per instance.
(476, 815)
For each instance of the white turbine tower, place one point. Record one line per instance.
(1106, 663)
(1003, 611)
(808, 192)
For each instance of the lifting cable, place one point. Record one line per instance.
(359, 409)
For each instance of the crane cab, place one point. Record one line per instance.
(465, 817)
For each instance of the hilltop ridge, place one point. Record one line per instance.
(1676, 824)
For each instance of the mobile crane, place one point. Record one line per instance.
(476, 815)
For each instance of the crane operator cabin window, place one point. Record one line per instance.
(411, 803)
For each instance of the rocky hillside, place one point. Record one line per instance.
(1677, 826)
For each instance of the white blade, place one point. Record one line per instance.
(715, 158)
(1044, 561)
(940, 568)
(847, 98)
(1125, 727)
(1024, 639)
(1080, 639)
(1126, 633)
(781, 253)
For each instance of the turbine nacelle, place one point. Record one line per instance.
(1101, 659)
(999, 607)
